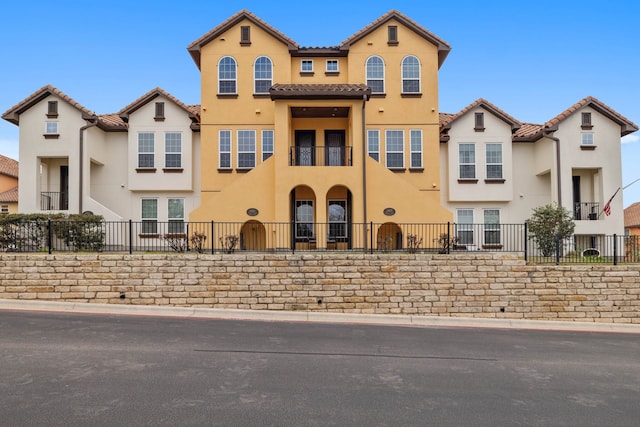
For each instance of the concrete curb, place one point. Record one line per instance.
(314, 316)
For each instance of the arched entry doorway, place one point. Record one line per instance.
(253, 236)
(303, 218)
(389, 237)
(339, 226)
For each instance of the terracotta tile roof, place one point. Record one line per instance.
(444, 118)
(195, 47)
(8, 166)
(627, 126)
(112, 121)
(13, 114)
(9, 196)
(528, 132)
(319, 91)
(632, 216)
(443, 47)
(481, 102)
(150, 96)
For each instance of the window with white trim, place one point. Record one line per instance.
(263, 75)
(146, 150)
(416, 148)
(224, 149)
(375, 74)
(464, 226)
(227, 84)
(267, 144)
(467, 161)
(175, 213)
(306, 66)
(494, 161)
(394, 140)
(4, 209)
(332, 66)
(410, 75)
(246, 149)
(373, 144)
(337, 218)
(149, 215)
(491, 227)
(587, 138)
(173, 150)
(304, 219)
(51, 127)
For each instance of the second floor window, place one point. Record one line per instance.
(416, 148)
(173, 149)
(494, 161)
(306, 66)
(373, 143)
(332, 66)
(410, 75)
(263, 74)
(395, 149)
(587, 138)
(146, 150)
(375, 74)
(246, 149)
(267, 144)
(224, 148)
(467, 161)
(227, 76)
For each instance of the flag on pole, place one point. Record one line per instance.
(607, 207)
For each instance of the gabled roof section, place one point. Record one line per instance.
(195, 47)
(13, 114)
(8, 166)
(9, 196)
(319, 91)
(486, 105)
(528, 132)
(632, 216)
(150, 96)
(443, 47)
(626, 125)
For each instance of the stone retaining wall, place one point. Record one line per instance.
(495, 285)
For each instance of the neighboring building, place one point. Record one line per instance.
(497, 169)
(8, 185)
(305, 147)
(632, 220)
(136, 164)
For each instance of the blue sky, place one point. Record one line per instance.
(532, 59)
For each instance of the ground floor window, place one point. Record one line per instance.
(337, 218)
(304, 218)
(149, 216)
(491, 227)
(175, 210)
(464, 226)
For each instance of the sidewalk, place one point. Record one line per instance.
(314, 316)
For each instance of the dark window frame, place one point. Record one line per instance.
(52, 109)
(245, 35)
(159, 117)
(479, 122)
(392, 34)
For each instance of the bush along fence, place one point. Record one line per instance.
(90, 233)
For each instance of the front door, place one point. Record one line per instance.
(335, 148)
(305, 148)
(64, 188)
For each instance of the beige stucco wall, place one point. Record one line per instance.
(489, 285)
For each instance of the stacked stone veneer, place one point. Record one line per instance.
(472, 285)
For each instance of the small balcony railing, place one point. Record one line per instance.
(54, 201)
(586, 211)
(320, 156)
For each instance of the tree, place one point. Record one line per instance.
(548, 224)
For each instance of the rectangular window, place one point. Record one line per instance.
(491, 227)
(479, 122)
(587, 138)
(267, 144)
(464, 226)
(149, 216)
(467, 161)
(246, 149)
(494, 161)
(4, 209)
(586, 121)
(337, 219)
(245, 35)
(373, 142)
(173, 150)
(392, 32)
(159, 112)
(146, 151)
(52, 109)
(332, 66)
(224, 148)
(304, 219)
(175, 210)
(395, 149)
(306, 66)
(51, 128)
(416, 149)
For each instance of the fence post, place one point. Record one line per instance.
(526, 248)
(187, 237)
(615, 249)
(557, 249)
(448, 238)
(213, 238)
(371, 237)
(130, 237)
(49, 235)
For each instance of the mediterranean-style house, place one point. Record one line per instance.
(8, 185)
(343, 146)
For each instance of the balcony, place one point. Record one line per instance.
(320, 156)
(54, 201)
(586, 211)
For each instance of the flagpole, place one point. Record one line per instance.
(629, 185)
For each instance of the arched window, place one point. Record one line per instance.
(375, 74)
(410, 75)
(262, 74)
(227, 76)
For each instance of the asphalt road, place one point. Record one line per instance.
(112, 370)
